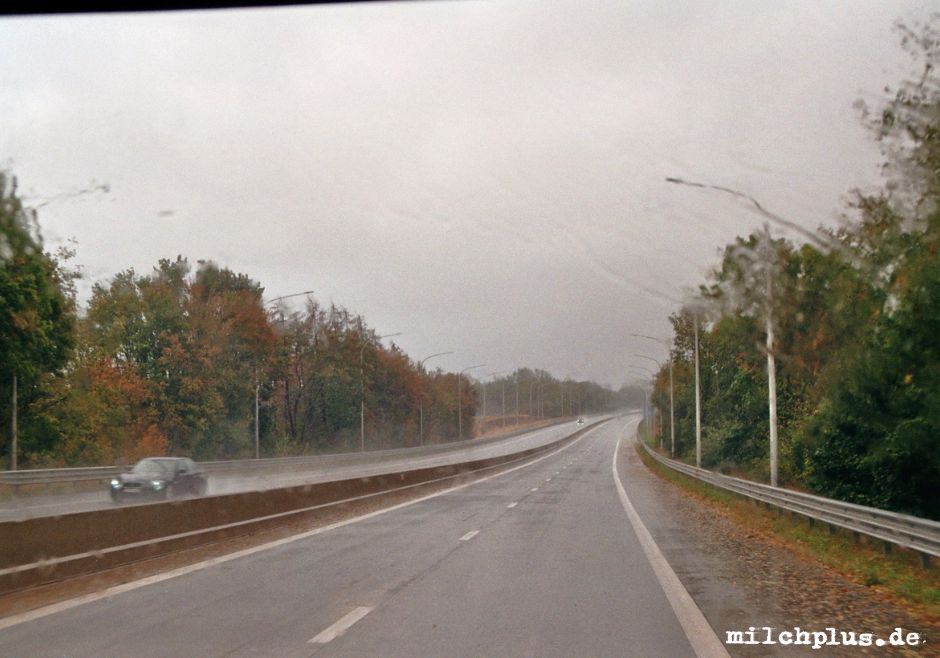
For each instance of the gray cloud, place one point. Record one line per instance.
(485, 177)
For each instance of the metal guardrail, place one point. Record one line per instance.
(32, 477)
(53, 475)
(911, 532)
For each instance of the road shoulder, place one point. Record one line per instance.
(741, 578)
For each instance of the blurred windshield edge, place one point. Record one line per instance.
(49, 8)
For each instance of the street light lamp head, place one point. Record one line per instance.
(295, 294)
(649, 358)
(658, 340)
(421, 362)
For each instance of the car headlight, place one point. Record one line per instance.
(157, 484)
(116, 484)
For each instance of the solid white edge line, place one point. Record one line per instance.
(470, 535)
(699, 632)
(330, 633)
(68, 604)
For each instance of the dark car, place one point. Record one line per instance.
(158, 478)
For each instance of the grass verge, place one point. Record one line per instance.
(898, 576)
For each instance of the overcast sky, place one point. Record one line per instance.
(485, 177)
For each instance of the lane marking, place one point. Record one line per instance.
(534, 489)
(330, 633)
(511, 505)
(699, 632)
(108, 592)
(470, 535)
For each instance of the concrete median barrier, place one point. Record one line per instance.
(42, 550)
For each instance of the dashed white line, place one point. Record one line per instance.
(109, 592)
(511, 505)
(534, 489)
(470, 535)
(332, 632)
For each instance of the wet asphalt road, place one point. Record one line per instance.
(540, 561)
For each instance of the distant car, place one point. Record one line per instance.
(159, 478)
(580, 421)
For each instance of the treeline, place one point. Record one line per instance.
(536, 394)
(173, 362)
(855, 317)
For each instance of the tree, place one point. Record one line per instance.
(198, 343)
(856, 330)
(874, 438)
(36, 316)
(104, 413)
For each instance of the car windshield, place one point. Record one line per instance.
(520, 327)
(153, 467)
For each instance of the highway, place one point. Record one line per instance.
(542, 560)
(322, 469)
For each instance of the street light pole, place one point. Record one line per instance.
(13, 447)
(649, 358)
(820, 239)
(698, 402)
(493, 374)
(531, 384)
(459, 406)
(771, 362)
(502, 422)
(541, 399)
(362, 393)
(257, 383)
(647, 396)
(421, 402)
(672, 397)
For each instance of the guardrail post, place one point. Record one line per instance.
(924, 560)
(887, 548)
